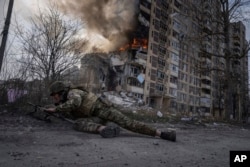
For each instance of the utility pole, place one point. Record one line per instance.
(5, 32)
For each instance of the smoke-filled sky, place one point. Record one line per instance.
(108, 23)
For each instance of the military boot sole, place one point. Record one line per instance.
(110, 131)
(171, 136)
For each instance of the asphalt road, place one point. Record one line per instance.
(25, 142)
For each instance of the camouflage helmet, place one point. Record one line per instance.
(57, 87)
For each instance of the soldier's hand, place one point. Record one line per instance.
(51, 109)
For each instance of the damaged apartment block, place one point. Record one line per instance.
(115, 71)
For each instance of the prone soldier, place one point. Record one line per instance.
(92, 114)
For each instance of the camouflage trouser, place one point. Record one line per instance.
(103, 113)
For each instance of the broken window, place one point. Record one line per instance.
(160, 87)
(153, 74)
(176, 25)
(173, 104)
(173, 91)
(146, 4)
(162, 50)
(134, 71)
(161, 62)
(154, 48)
(138, 95)
(156, 24)
(191, 89)
(174, 57)
(174, 68)
(162, 38)
(177, 4)
(157, 12)
(134, 82)
(173, 79)
(155, 35)
(163, 26)
(160, 74)
(158, 3)
(175, 45)
(154, 61)
(183, 66)
(175, 34)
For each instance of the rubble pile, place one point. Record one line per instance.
(129, 104)
(124, 99)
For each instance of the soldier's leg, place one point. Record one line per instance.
(111, 114)
(116, 116)
(90, 124)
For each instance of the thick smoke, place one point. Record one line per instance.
(109, 22)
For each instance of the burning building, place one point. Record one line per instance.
(154, 59)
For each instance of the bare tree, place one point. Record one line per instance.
(52, 45)
(231, 11)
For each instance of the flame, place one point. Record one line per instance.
(136, 44)
(125, 47)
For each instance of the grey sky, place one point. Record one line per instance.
(23, 9)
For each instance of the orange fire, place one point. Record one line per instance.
(136, 44)
(125, 47)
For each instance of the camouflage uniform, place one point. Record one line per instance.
(91, 113)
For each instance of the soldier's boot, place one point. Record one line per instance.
(171, 135)
(110, 131)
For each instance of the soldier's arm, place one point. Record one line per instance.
(74, 101)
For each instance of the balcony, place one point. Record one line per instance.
(205, 102)
(222, 61)
(206, 95)
(172, 85)
(236, 37)
(207, 10)
(207, 4)
(141, 55)
(163, 31)
(164, 18)
(206, 61)
(164, 5)
(145, 9)
(174, 73)
(161, 55)
(206, 82)
(207, 49)
(236, 49)
(140, 59)
(205, 77)
(205, 86)
(163, 43)
(160, 80)
(134, 89)
(141, 62)
(156, 93)
(207, 27)
(178, 5)
(236, 43)
(161, 67)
